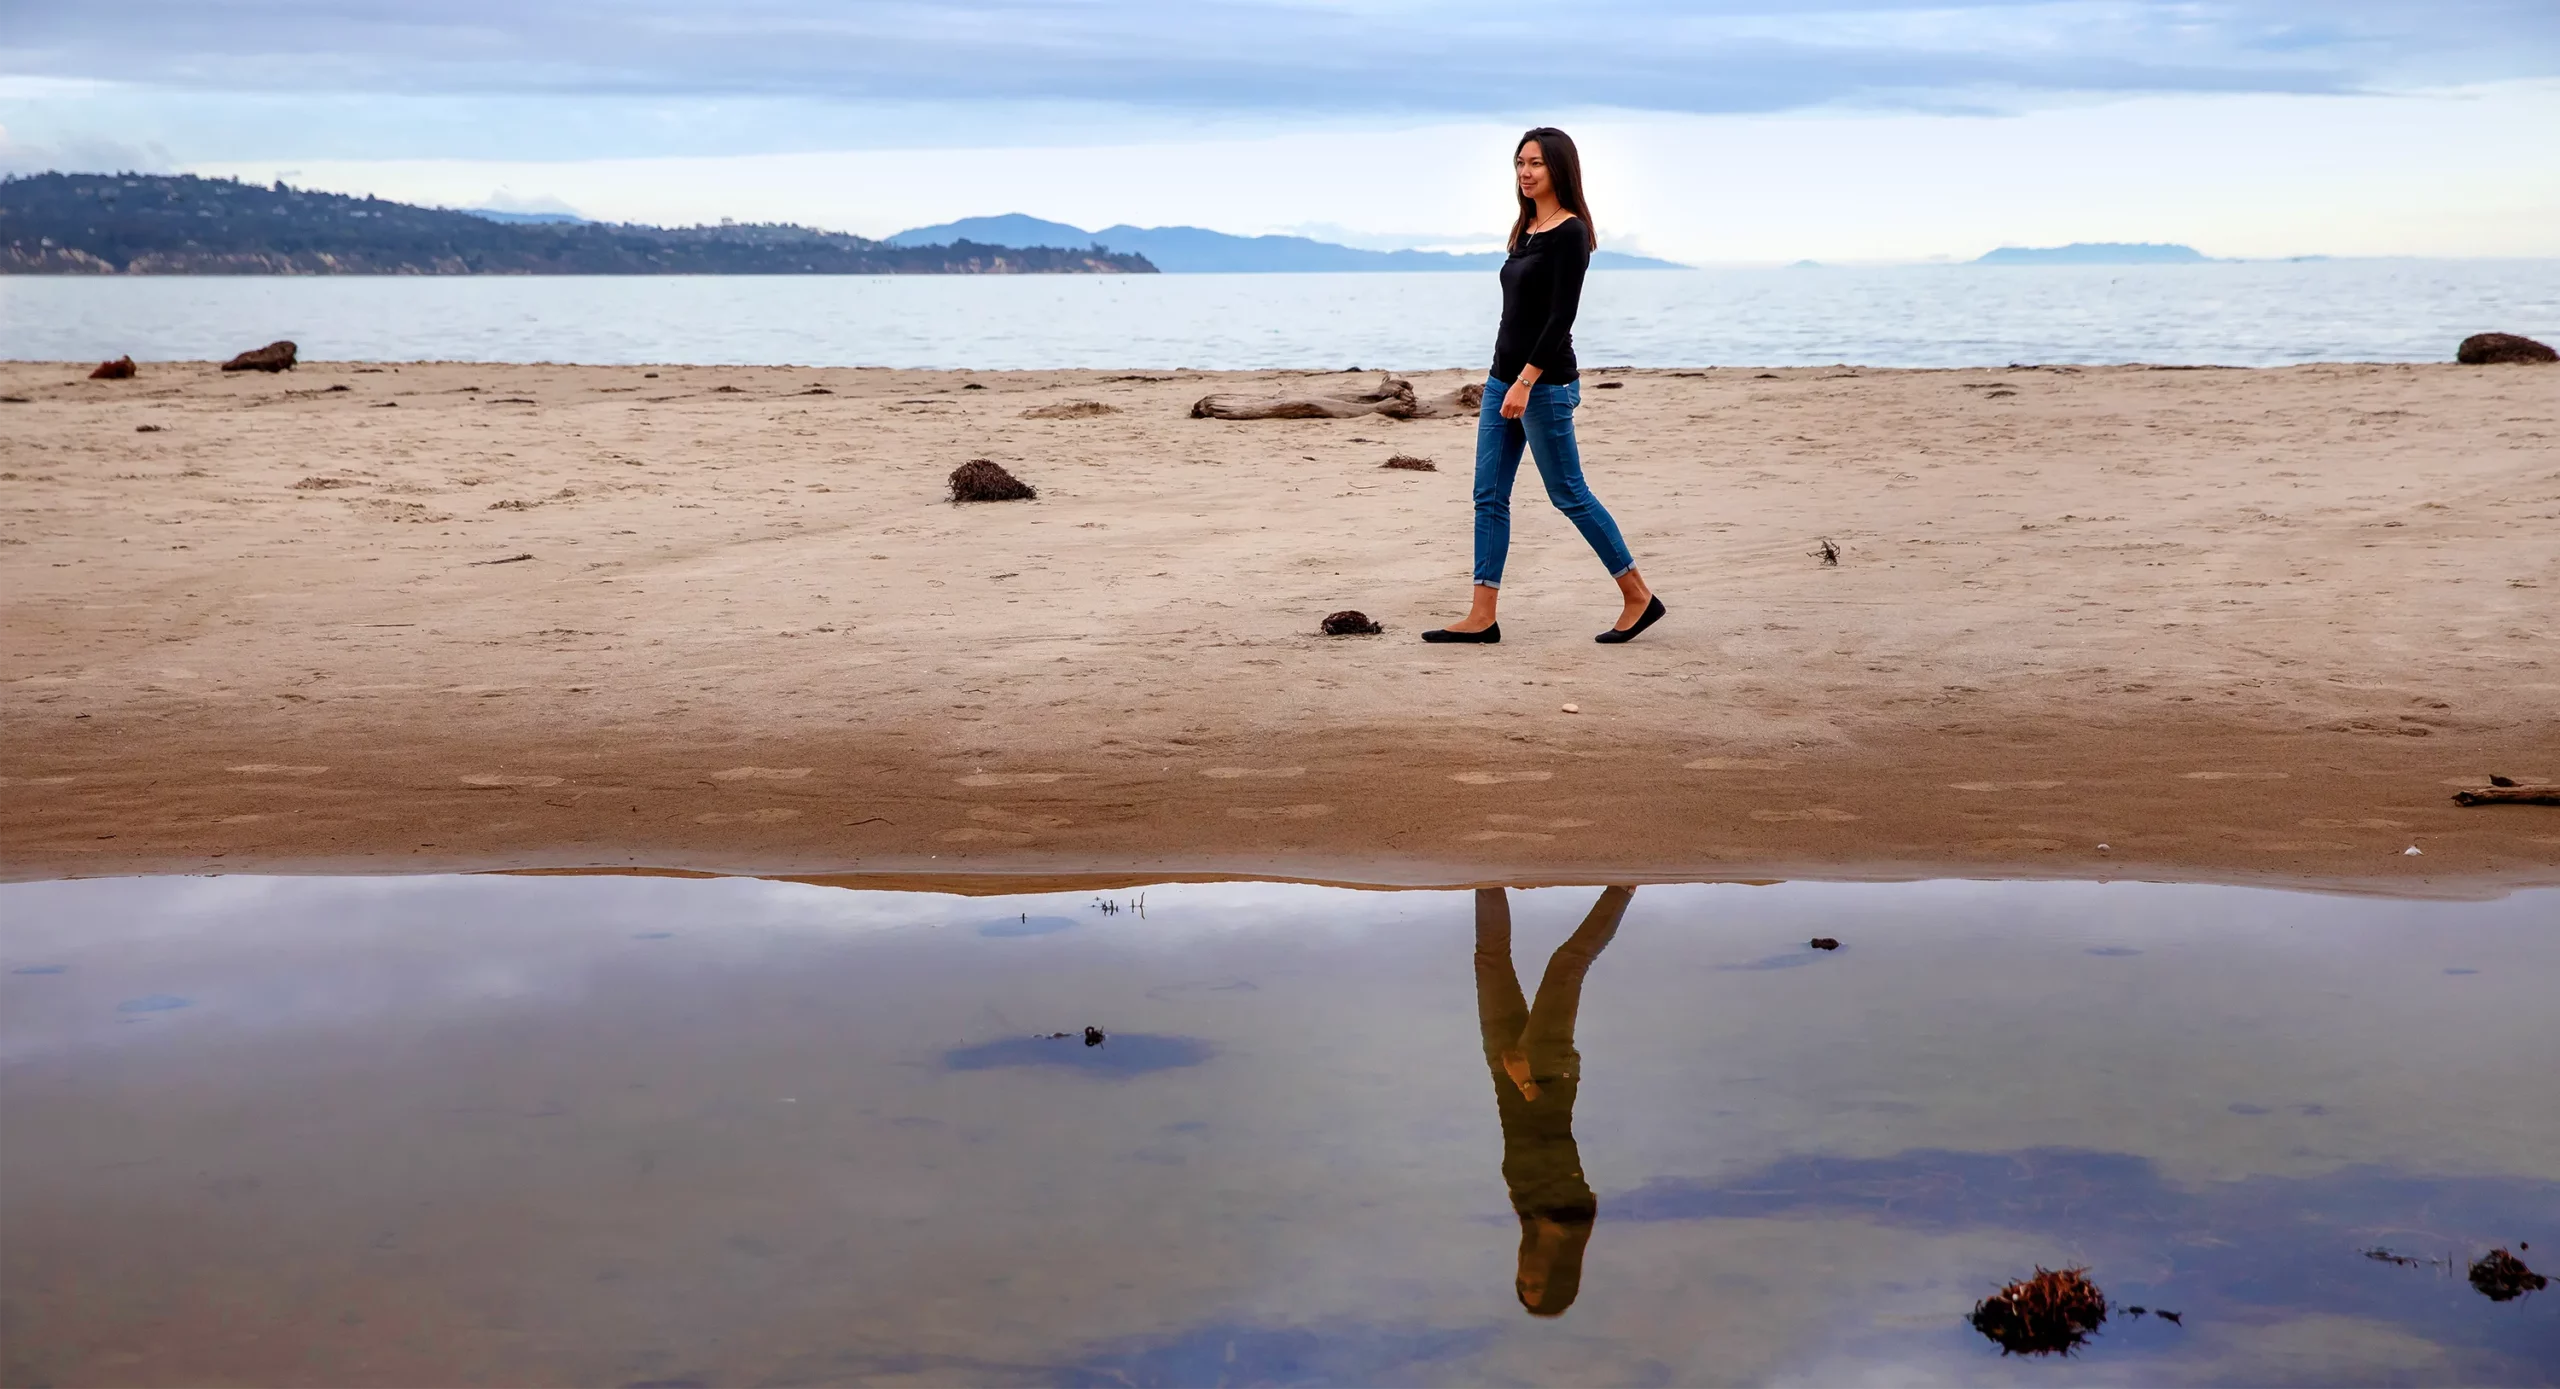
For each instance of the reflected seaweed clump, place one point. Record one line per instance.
(2502, 1277)
(1536, 1074)
(2048, 1314)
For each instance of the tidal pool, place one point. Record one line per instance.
(662, 1131)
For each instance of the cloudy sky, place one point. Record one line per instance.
(1715, 131)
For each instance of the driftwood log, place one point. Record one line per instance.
(275, 356)
(2491, 349)
(1392, 396)
(2505, 791)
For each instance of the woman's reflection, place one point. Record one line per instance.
(1535, 1074)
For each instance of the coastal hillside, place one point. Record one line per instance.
(1197, 250)
(105, 224)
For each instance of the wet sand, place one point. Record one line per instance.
(2237, 625)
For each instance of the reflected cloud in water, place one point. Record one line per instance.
(1026, 924)
(1123, 1054)
(1335, 1352)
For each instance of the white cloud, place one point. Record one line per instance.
(2462, 172)
(81, 152)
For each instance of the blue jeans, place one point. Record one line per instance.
(1546, 427)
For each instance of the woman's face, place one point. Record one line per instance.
(1530, 164)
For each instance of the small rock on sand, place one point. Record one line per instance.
(985, 480)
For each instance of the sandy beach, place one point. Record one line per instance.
(2250, 626)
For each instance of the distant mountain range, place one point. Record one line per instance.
(2096, 253)
(74, 224)
(1196, 250)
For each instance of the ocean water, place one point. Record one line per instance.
(625, 1130)
(2242, 314)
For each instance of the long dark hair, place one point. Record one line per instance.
(1564, 170)
(1564, 1276)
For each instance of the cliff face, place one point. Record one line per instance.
(102, 224)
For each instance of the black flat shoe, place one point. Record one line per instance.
(1653, 612)
(1487, 637)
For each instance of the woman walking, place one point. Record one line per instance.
(1535, 386)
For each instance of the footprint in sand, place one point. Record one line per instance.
(1011, 778)
(2236, 776)
(761, 774)
(1823, 813)
(1736, 764)
(1238, 773)
(1498, 778)
(1278, 812)
(276, 769)
(769, 815)
(2004, 785)
(495, 781)
(1532, 822)
(972, 835)
(998, 815)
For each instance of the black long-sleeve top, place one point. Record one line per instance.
(1541, 290)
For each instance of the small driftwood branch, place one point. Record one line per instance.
(2509, 794)
(1392, 397)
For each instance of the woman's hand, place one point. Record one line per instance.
(1515, 401)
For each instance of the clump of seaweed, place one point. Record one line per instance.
(1351, 622)
(985, 480)
(1411, 464)
(2048, 1314)
(2502, 1277)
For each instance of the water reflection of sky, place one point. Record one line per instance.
(722, 1131)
